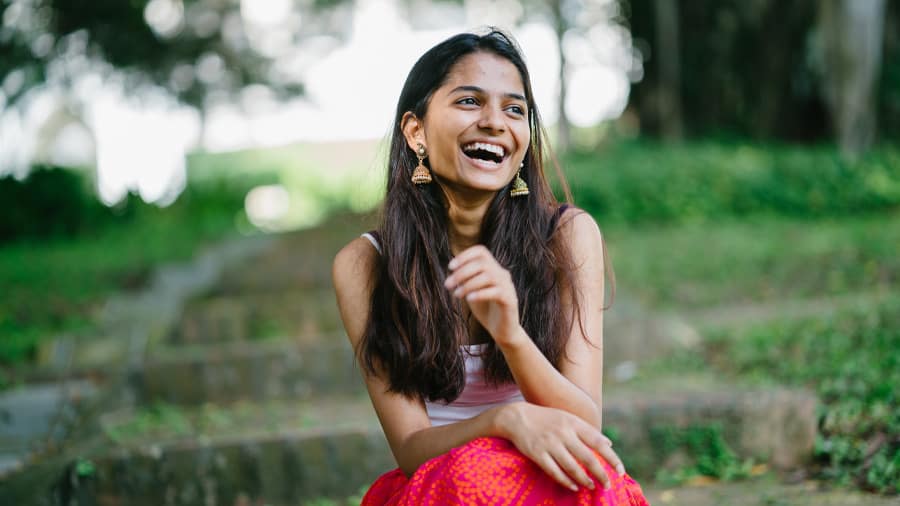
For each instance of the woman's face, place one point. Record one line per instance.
(476, 129)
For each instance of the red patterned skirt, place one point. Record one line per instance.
(491, 471)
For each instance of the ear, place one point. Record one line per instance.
(413, 130)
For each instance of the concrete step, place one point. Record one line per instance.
(295, 259)
(289, 452)
(296, 314)
(37, 415)
(775, 426)
(763, 491)
(263, 453)
(260, 370)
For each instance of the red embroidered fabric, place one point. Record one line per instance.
(491, 471)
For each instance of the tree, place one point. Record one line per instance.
(669, 66)
(852, 32)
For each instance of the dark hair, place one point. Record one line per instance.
(415, 327)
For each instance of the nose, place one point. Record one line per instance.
(492, 119)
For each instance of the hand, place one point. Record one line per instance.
(488, 288)
(560, 443)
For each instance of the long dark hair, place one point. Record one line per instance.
(415, 327)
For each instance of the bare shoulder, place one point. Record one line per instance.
(352, 274)
(581, 232)
(356, 259)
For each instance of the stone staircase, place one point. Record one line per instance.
(251, 395)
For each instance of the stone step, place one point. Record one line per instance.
(246, 453)
(295, 259)
(260, 370)
(296, 314)
(37, 415)
(763, 491)
(289, 452)
(776, 426)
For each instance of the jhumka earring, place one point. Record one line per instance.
(519, 186)
(421, 175)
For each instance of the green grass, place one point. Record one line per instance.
(695, 266)
(57, 286)
(702, 181)
(852, 360)
(850, 356)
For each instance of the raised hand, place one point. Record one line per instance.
(488, 289)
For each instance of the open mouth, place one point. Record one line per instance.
(485, 152)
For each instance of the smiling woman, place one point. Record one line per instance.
(475, 309)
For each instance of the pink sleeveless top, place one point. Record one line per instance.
(477, 394)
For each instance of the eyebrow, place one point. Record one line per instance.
(476, 89)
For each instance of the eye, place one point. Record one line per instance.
(467, 101)
(516, 109)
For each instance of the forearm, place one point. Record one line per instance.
(541, 383)
(425, 444)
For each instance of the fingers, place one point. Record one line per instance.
(474, 271)
(607, 453)
(569, 460)
(586, 456)
(549, 465)
(603, 446)
(468, 254)
(473, 278)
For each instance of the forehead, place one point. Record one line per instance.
(488, 71)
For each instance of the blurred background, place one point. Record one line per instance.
(176, 176)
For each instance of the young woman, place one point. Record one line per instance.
(475, 309)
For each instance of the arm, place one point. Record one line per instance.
(405, 421)
(555, 440)
(487, 287)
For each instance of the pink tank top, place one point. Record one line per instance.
(477, 394)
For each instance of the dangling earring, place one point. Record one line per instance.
(519, 186)
(421, 175)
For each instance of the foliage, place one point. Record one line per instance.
(765, 259)
(42, 32)
(852, 359)
(50, 202)
(56, 285)
(646, 182)
(706, 449)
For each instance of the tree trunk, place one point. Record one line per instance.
(563, 127)
(853, 35)
(669, 68)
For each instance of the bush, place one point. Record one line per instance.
(644, 182)
(852, 359)
(50, 202)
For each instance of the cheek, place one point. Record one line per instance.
(523, 139)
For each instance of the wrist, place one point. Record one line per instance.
(512, 340)
(504, 418)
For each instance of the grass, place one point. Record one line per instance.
(57, 286)
(849, 356)
(852, 360)
(694, 266)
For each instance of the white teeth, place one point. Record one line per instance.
(493, 148)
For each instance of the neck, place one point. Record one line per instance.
(465, 218)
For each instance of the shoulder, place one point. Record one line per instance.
(354, 264)
(352, 274)
(580, 232)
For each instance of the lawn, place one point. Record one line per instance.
(849, 355)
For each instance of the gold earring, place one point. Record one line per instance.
(519, 186)
(421, 175)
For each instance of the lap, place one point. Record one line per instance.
(493, 471)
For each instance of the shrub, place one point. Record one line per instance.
(852, 359)
(645, 182)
